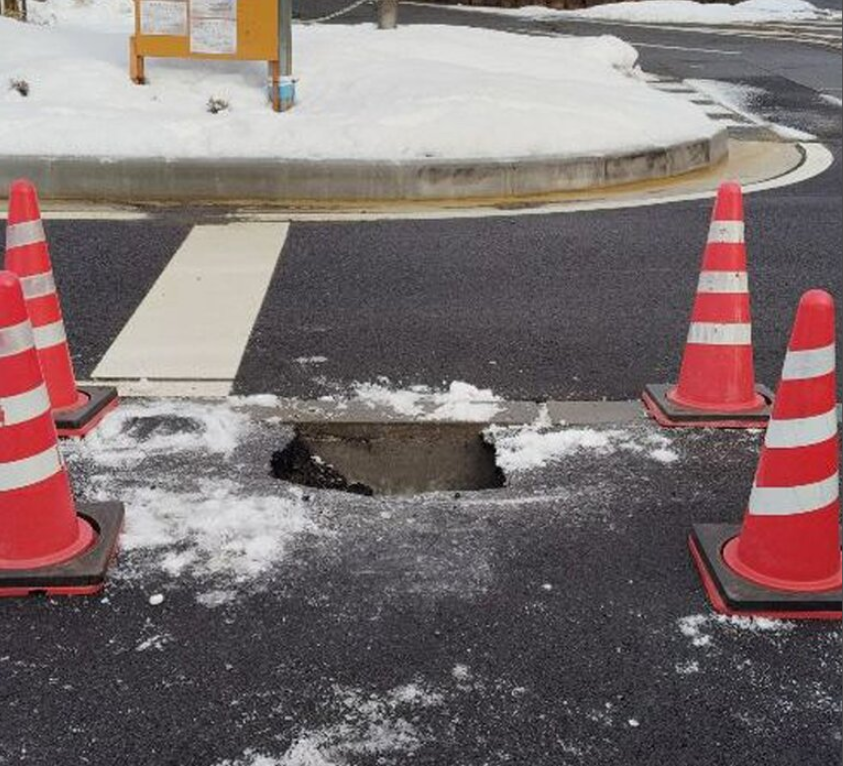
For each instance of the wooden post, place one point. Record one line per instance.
(137, 65)
(275, 79)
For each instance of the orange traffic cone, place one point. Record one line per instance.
(45, 547)
(717, 379)
(786, 561)
(76, 411)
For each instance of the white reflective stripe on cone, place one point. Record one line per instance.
(713, 334)
(723, 282)
(24, 407)
(801, 432)
(727, 232)
(50, 335)
(803, 365)
(23, 234)
(38, 285)
(789, 501)
(31, 470)
(16, 339)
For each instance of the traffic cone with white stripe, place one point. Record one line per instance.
(717, 378)
(45, 545)
(785, 561)
(76, 410)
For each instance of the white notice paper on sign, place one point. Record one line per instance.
(216, 9)
(213, 36)
(164, 18)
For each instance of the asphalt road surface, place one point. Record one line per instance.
(555, 622)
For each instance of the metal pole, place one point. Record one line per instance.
(387, 14)
(285, 37)
(283, 85)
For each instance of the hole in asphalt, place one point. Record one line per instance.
(389, 458)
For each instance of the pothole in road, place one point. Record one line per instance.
(389, 458)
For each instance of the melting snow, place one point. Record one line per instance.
(368, 725)
(139, 430)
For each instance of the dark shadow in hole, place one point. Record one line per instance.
(389, 458)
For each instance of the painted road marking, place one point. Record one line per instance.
(196, 320)
(688, 50)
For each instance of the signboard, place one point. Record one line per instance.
(228, 30)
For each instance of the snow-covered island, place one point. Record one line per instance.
(414, 93)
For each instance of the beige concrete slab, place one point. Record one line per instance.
(196, 320)
(167, 389)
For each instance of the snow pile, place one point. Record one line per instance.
(370, 727)
(416, 92)
(684, 12)
(461, 402)
(524, 449)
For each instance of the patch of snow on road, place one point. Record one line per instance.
(139, 430)
(406, 401)
(369, 725)
(698, 627)
(743, 100)
(217, 531)
(736, 97)
(527, 448)
(687, 668)
(310, 360)
(460, 402)
(566, 96)
(755, 624)
(157, 642)
(692, 627)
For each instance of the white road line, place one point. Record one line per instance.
(196, 320)
(689, 50)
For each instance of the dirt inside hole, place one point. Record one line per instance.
(389, 458)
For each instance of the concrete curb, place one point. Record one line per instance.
(199, 180)
(510, 413)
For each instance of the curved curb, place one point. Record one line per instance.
(202, 180)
